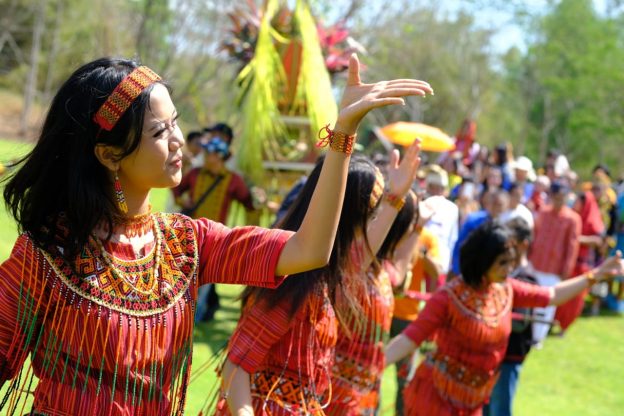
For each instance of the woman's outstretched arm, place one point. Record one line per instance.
(310, 247)
(567, 289)
(398, 348)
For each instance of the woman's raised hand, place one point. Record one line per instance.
(401, 175)
(359, 98)
(611, 267)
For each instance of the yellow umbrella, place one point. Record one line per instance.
(404, 133)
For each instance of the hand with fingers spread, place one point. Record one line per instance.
(359, 98)
(610, 268)
(311, 246)
(401, 176)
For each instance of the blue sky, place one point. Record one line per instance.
(508, 33)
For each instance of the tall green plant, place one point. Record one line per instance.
(263, 81)
(314, 84)
(263, 131)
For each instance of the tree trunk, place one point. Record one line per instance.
(547, 125)
(31, 81)
(142, 41)
(56, 38)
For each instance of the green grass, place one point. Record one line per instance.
(579, 374)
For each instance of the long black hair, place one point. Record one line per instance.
(407, 216)
(61, 192)
(356, 212)
(480, 250)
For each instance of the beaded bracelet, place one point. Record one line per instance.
(337, 141)
(394, 200)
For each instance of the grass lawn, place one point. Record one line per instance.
(580, 374)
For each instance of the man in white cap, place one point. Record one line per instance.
(524, 176)
(444, 223)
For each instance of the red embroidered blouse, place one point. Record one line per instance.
(117, 339)
(471, 329)
(288, 358)
(360, 361)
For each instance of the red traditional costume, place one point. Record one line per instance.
(471, 329)
(288, 358)
(360, 360)
(591, 225)
(109, 333)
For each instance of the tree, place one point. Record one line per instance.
(412, 40)
(578, 69)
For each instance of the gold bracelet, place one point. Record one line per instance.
(342, 142)
(337, 141)
(591, 278)
(395, 201)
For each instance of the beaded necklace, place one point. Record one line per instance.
(137, 224)
(153, 258)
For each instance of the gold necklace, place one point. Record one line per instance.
(108, 260)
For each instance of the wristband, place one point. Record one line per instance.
(337, 141)
(395, 201)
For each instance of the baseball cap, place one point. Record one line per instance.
(222, 128)
(436, 176)
(558, 187)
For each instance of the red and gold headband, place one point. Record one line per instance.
(378, 189)
(123, 96)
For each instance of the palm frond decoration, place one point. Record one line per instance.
(286, 75)
(314, 84)
(263, 131)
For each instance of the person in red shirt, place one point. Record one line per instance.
(359, 361)
(280, 357)
(554, 249)
(208, 192)
(590, 242)
(98, 294)
(470, 318)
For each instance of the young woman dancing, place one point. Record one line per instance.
(470, 318)
(364, 330)
(99, 291)
(280, 357)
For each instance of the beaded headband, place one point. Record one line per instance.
(123, 95)
(377, 191)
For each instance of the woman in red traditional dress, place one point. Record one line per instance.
(590, 242)
(470, 318)
(280, 357)
(99, 292)
(364, 330)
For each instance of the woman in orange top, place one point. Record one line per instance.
(279, 359)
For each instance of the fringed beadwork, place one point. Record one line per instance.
(121, 200)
